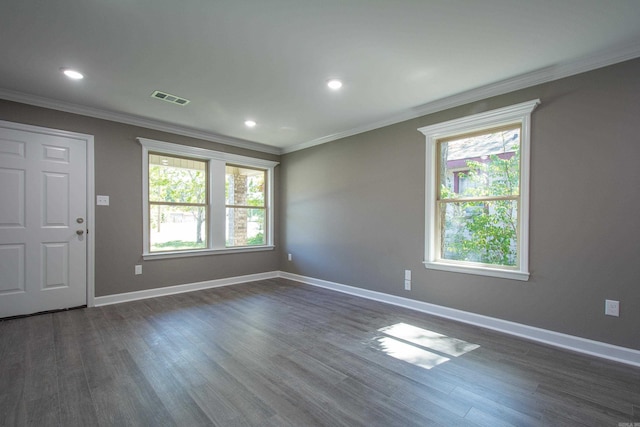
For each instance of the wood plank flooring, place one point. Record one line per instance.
(279, 353)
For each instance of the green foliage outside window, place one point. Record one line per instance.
(174, 193)
(246, 210)
(480, 224)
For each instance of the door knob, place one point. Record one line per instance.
(80, 232)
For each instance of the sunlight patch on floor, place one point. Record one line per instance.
(410, 353)
(433, 340)
(419, 346)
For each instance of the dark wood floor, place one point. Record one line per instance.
(278, 353)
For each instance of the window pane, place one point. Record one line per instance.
(245, 227)
(484, 232)
(177, 227)
(481, 165)
(244, 186)
(177, 180)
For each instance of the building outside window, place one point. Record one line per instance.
(245, 204)
(198, 201)
(477, 193)
(479, 196)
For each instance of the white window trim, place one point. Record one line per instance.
(515, 114)
(217, 160)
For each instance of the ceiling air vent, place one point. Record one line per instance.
(169, 98)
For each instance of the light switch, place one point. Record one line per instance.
(102, 200)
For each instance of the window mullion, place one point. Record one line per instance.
(217, 205)
(479, 199)
(245, 206)
(177, 204)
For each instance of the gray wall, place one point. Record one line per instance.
(118, 174)
(352, 211)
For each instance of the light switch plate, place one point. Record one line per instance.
(102, 200)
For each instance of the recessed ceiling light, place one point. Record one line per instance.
(334, 84)
(72, 74)
(250, 123)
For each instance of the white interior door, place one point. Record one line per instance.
(43, 220)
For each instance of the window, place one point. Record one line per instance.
(477, 203)
(198, 201)
(178, 203)
(245, 206)
(477, 219)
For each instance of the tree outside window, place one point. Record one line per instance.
(479, 197)
(199, 202)
(477, 193)
(245, 206)
(177, 203)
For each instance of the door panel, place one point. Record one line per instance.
(43, 249)
(12, 268)
(12, 193)
(55, 260)
(55, 200)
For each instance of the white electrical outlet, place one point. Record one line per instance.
(138, 269)
(407, 280)
(612, 308)
(289, 257)
(102, 200)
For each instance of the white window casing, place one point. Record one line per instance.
(216, 221)
(515, 114)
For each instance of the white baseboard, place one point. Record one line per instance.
(178, 289)
(581, 345)
(556, 339)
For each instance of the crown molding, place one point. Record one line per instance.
(543, 75)
(523, 81)
(134, 120)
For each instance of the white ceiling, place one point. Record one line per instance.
(269, 60)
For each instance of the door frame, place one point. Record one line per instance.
(90, 196)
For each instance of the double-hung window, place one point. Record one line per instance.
(178, 202)
(198, 201)
(245, 205)
(477, 193)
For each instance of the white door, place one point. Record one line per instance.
(43, 213)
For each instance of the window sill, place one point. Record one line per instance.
(204, 252)
(478, 270)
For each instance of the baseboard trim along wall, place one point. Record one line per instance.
(178, 289)
(581, 345)
(569, 342)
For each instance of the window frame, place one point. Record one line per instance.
(265, 196)
(206, 205)
(518, 114)
(216, 221)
